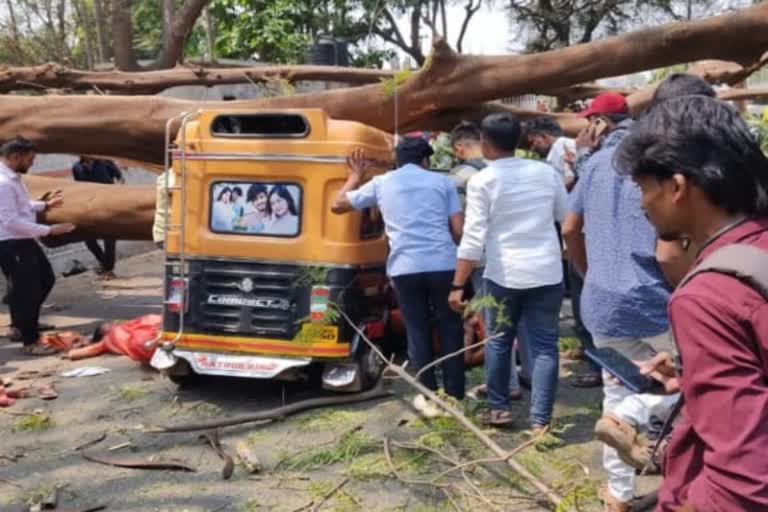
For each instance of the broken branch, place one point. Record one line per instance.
(551, 495)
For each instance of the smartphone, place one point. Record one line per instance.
(600, 126)
(624, 370)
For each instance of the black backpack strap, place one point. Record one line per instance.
(743, 262)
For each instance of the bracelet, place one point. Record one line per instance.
(457, 287)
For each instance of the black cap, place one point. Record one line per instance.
(413, 150)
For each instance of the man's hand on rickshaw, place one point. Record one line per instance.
(456, 301)
(662, 368)
(358, 163)
(54, 200)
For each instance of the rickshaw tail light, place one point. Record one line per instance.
(177, 296)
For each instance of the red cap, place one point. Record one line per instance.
(606, 103)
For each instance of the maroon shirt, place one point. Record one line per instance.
(717, 459)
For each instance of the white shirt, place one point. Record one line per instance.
(512, 207)
(556, 156)
(18, 214)
(161, 201)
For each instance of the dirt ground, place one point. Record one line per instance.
(329, 459)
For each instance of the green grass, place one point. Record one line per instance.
(129, 393)
(38, 421)
(345, 450)
(251, 505)
(206, 410)
(331, 420)
(568, 343)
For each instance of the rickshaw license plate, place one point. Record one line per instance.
(320, 333)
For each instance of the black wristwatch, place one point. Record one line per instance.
(456, 287)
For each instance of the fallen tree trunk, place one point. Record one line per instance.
(56, 76)
(133, 127)
(123, 212)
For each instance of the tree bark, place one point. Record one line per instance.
(55, 76)
(99, 211)
(105, 52)
(174, 39)
(133, 127)
(122, 34)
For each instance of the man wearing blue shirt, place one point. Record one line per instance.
(626, 290)
(423, 220)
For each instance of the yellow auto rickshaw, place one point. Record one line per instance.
(258, 270)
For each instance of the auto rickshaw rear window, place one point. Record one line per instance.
(260, 125)
(256, 208)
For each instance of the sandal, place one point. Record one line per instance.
(48, 392)
(482, 391)
(18, 393)
(587, 380)
(37, 350)
(13, 334)
(496, 418)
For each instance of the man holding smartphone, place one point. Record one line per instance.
(703, 176)
(624, 301)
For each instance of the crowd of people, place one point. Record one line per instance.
(664, 216)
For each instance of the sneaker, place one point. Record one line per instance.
(426, 407)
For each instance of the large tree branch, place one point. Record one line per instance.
(469, 11)
(55, 76)
(133, 127)
(175, 38)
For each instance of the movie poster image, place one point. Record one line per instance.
(262, 208)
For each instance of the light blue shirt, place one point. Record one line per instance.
(415, 204)
(625, 294)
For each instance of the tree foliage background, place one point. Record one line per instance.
(160, 33)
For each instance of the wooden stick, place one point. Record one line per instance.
(458, 352)
(518, 468)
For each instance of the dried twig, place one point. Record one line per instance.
(10, 482)
(458, 352)
(478, 492)
(396, 472)
(487, 461)
(330, 493)
(551, 495)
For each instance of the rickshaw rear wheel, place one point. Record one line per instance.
(370, 366)
(182, 374)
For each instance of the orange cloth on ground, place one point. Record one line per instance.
(126, 339)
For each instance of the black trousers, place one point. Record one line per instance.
(106, 256)
(419, 296)
(30, 280)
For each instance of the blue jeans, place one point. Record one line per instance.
(577, 285)
(478, 283)
(541, 309)
(420, 297)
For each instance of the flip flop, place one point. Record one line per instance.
(18, 393)
(48, 392)
(496, 418)
(37, 350)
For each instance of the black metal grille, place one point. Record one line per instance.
(272, 286)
